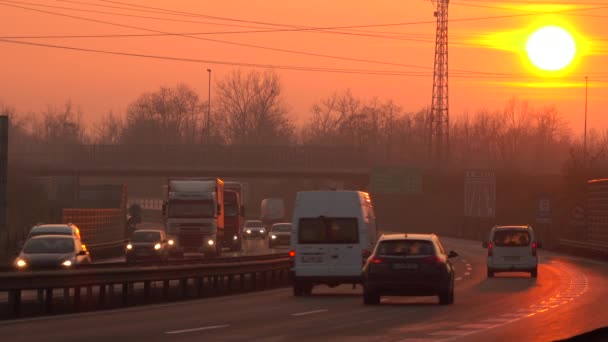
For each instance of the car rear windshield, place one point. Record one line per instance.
(511, 238)
(406, 247)
(328, 230)
(51, 231)
(146, 237)
(254, 224)
(48, 245)
(281, 228)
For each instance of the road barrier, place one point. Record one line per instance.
(584, 248)
(223, 276)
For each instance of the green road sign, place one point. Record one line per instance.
(395, 180)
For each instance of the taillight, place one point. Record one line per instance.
(377, 260)
(431, 260)
(490, 249)
(534, 248)
(292, 254)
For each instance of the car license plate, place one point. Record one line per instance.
(512, 258)
(312, 258)
(405, 266)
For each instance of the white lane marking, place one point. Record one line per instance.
(459, 278)
(212, 327)
(467, 273)
(384, 300)
(464, 260)
(468, 265)
(451, 333)
(477, 326)
(309, 312)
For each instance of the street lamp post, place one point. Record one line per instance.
(209, 109)
(585, 134)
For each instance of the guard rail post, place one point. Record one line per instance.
(146, 291)
(14, 301)
(48, 305)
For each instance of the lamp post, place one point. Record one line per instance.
(585, 134)
(209, 109)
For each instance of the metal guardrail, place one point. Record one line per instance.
(255, 271)
(585, 246)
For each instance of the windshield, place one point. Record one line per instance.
(281, 228)
(254, 224)
(511, 238)
(191, 209)
(405, 247)
(230, 209)
(145, 237)
(50, 231)
(48, 245)
(328, 230)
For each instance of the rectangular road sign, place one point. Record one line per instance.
(395, 180)
(3, 171)
(543, 209)
(480, 194)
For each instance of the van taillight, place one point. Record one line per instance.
(534, 248)
(490, 249)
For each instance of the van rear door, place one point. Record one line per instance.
(345, 239)
(512, 246)
(312, 251)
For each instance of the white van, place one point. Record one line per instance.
(332, 233)
(512, 249)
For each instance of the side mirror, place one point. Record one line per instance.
(366, 254)
(452, 254)
(82, 253)
(484, 244)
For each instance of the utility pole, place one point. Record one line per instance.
(439, 125)
(209, 110)
(3, 172)
(585, 134)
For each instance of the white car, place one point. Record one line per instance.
(280, 235)
(512, 249)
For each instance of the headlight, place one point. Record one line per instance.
(262, 230)
(129, 246)
(248, 231)
(157, 246)
(210, 242)
(235, 238)
(66, 263)
(274, 237)
(171, 242)
(21, 263)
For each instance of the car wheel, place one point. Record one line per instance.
(534, 273)
(307, 288)
(490, 273)
(298, 291)
(371, 298)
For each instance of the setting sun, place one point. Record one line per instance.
(551, 48)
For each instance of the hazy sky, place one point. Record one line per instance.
(487, 57)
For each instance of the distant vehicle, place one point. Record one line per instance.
(194, 215)
(272, 211)
(331, 232)
(148, 244)
(52, 252)
(409, 265)
(55, 229)
(254, 229)
(512, 249)
(234, 218)
(280, 235)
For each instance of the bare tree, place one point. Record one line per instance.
(109, 130)
(253, 109)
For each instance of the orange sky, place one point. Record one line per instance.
(34, 77)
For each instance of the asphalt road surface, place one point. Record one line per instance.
(568, 298)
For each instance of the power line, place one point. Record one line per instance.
(241, 44)
(284, 67)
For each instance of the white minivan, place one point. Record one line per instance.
(512, 249)
(332, 234)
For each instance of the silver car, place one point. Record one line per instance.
(280, 235)
(52, 252)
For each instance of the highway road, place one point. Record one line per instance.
(567, 298)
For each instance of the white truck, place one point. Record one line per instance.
(272, 211)
(194, 215)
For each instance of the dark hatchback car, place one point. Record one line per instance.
(409, 265)
(148, 244)
(52, 252)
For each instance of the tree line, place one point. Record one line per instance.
(248, 108)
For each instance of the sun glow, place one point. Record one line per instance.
(551, 48)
